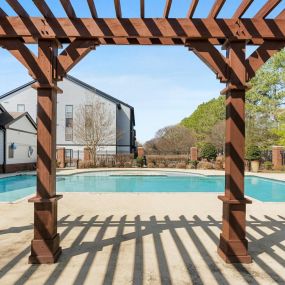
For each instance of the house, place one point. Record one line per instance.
(75, 94)
(18, 139)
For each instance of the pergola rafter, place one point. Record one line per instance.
(200, 35)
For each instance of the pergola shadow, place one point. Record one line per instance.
(137, 230)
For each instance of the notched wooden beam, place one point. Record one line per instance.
(76, 51)
(208, 53)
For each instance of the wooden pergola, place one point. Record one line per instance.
(200, 35)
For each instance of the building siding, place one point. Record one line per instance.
(75, 95)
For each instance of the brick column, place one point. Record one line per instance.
(194, 153)
(277, 157)
(140, 151)
(61, 157)
(87, 155)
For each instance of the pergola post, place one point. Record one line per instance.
(45, 245)
(233, 247)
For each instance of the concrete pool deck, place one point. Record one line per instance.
(142, 238)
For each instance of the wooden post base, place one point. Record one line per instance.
(234, 251)
(45, 251)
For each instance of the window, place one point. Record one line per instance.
(20, 107)
(68, 122)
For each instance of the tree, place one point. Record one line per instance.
(208, 151)
(205, 117)
(93, 126)
(217, 136)
(171, 140)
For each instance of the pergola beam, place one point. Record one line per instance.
(142, 8)
(18, 8)
(44, 8)
(242, 8)
(261, 55)
(64, 28)
(267, 8)
(92, 8)
(67, 6)
(73, 54)
(118, 9)
(167, 8)
(216, 8)
(281, 16)
(192, 8)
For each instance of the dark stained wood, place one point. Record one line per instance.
(261, 55)
(3, 13)
(281, 16)
(92, 8)
(267, 8)
(242, 8)
(211, 57)
(167, 8)
(18, 8)
(67, 6)
(118, 10)
(233, 245)
(76, 51)
(216, 8)
(142, 8)
(192, 8)
(65, 28)
(45, 245)
(44, 8)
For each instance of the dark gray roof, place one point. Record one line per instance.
(6, 118)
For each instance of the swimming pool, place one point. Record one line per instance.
(17, 187)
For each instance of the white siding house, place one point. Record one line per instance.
(75, 93)
(18, 139)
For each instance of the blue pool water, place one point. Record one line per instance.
(17, 187)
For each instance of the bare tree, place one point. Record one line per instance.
(93, 126)
(173, 139)
(217, 136)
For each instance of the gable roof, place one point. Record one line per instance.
(6, 119)
(82, 84)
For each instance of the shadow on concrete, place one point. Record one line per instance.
(155, 227)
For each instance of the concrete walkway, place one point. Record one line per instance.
(143, 238)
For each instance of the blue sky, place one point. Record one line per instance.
(164, 84)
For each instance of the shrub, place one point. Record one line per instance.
(193, 164)
(118, 164)
(181, 165)
(253, 153)
(208, 151)
(150, 165)
(205, 165)
(127, 164)
(161, 165)
(139, 161)
(268, 165)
